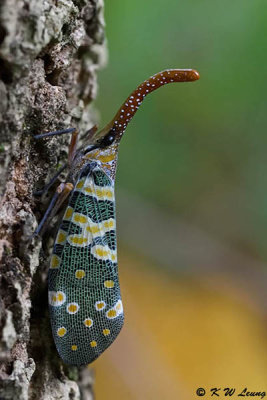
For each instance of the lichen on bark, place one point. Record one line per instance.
(49, 54)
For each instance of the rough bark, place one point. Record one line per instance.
(49, 53)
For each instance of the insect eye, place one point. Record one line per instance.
(108, 140)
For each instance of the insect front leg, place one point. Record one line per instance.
(55, 133)
(62, 193)
(51, 182)
(73, 142)
(64, 189)
(71, 154)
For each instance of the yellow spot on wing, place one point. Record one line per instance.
(109, 224)
(101, 227)
(106, 332)
(55, 261)
(61, 237)
(56, 298)
(82, 219)
(109, 284)
(119, 307)
(72, 308)
(115, 311)
(93, 343)
(100, 305)
(78, 240)
(88, 322)
(101, 193)
(111, 313)
(80, 183)
(60, 296)
(88, 189)
(80, 273)
(104, 253)
(74, 347)
(68, 213)
(61, 331)
(93, 228)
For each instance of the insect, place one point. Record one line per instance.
(84, 294)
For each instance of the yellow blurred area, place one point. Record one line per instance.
(180, 333)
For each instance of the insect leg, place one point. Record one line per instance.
(51, 182)
(72, 146)
(55, 133)
(62, 192)
(71, 154)
(88, 134)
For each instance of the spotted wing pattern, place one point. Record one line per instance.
(84, 293)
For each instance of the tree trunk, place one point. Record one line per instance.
(49, 53)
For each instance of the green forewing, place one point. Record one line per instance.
(84, 293)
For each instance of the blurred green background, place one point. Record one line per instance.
(191, 198)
